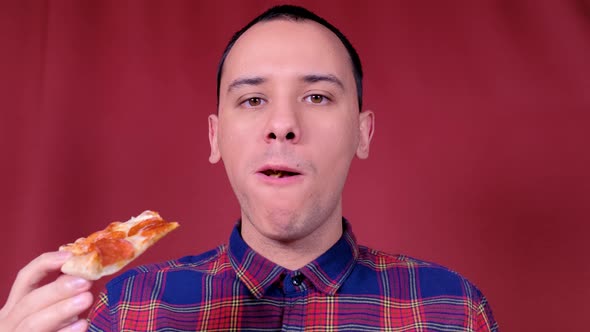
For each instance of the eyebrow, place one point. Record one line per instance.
(314, 78)
(311, 78)
(239, 82)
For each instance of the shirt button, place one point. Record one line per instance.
(297, 280)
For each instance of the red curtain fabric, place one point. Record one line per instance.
(480, 160)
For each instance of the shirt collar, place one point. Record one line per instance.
(326, 273)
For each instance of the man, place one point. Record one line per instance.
(287, 128)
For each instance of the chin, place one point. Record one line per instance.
(281, 225)
(284, 220)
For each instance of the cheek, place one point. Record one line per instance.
(336, 145)
(339, 137)
(238, 146)
(232, 139)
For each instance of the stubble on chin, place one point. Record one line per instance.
(284, 226)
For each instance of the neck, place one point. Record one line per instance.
(294, 253)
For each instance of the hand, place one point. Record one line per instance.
(51, 307)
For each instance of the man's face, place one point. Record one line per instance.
(288, 127)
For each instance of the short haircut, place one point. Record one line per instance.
(296, 13)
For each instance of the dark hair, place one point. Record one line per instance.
(298, 13)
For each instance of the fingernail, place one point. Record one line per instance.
(78, 283)
(78, 326)
(79, 300)
(63, 255)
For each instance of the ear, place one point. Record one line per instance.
(215, 156)
(367, 128)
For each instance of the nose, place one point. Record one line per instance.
(283, 125)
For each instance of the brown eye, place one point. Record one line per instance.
(316, 99)
(254, 101)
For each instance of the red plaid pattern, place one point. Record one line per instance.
(348, 288)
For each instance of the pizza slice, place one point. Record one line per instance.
(107, 251)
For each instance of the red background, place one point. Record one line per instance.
(480, 160)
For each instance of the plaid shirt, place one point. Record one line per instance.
(348, 288)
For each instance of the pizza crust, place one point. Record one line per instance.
(107, 251)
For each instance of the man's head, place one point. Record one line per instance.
(299, 14)
(288, 127)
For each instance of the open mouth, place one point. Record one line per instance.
(277, 173)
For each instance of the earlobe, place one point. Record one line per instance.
(215, 155)
(367, 128)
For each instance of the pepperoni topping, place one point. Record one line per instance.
(144, 224)
(153, 230)
(113, 250)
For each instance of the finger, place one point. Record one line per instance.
(29, 276)
(57, 315)
(70, 321)
(62, 288)
(79, 326)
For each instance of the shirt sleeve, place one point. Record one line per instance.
(99, 318)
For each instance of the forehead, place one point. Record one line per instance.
(286, 48)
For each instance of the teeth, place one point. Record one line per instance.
(277, 174)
